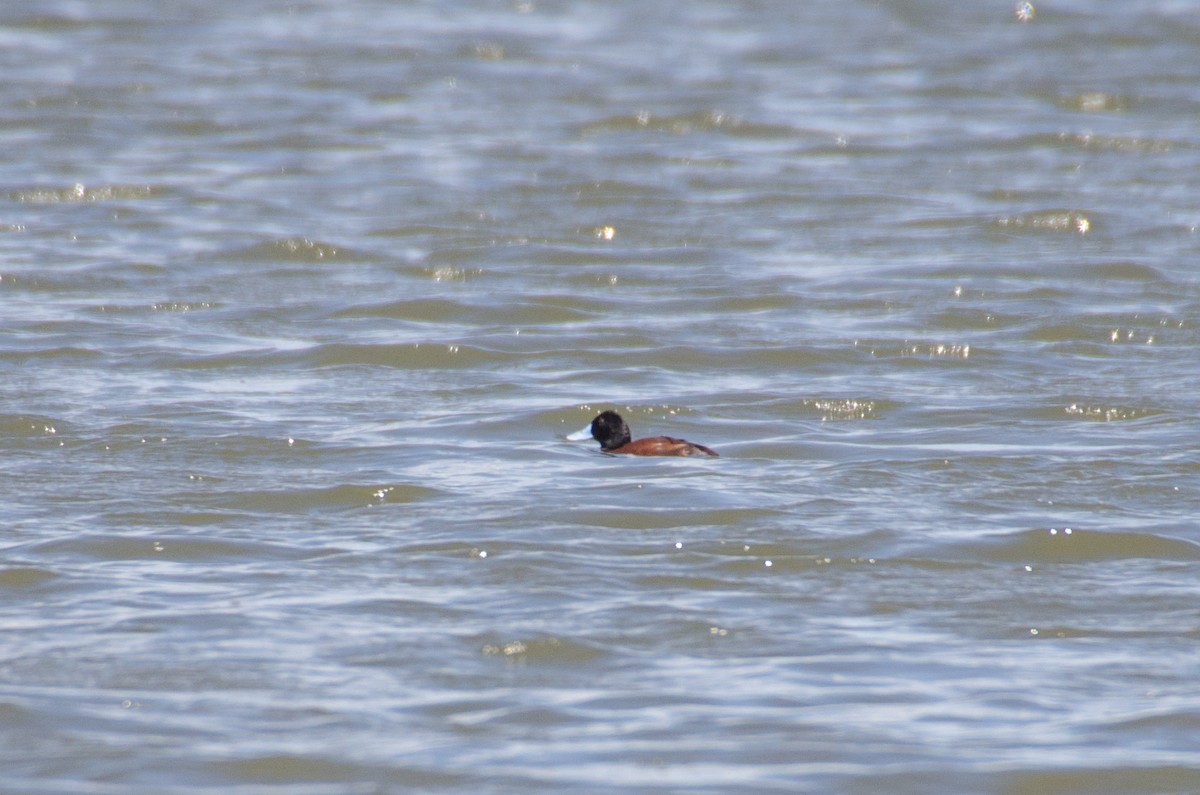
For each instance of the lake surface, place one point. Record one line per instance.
(298, 302)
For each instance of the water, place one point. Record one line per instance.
(297, 303)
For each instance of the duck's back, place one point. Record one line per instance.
(663, 445)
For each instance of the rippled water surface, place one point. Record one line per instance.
(298, 302)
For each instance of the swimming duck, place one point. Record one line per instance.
(610, 430)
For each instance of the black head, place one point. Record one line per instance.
(610, 430)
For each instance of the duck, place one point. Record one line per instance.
(610, 430)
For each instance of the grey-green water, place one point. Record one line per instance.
(298, 302)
